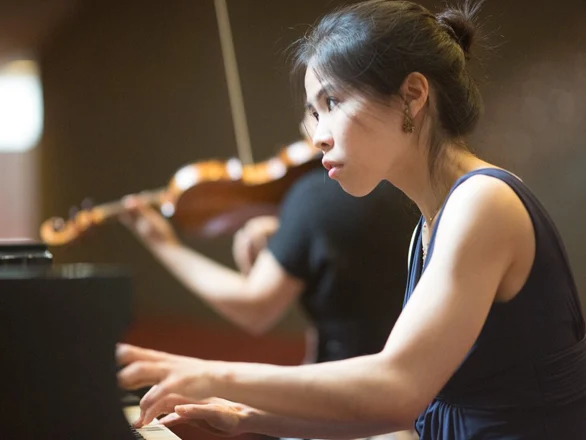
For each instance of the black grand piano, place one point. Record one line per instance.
(59, 325)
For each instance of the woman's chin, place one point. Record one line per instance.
(355, 189)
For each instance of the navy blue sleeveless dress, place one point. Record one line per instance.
(525, 376)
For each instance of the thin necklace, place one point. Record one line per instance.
(425, 227)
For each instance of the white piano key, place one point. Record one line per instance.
(152, 431)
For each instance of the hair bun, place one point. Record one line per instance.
(459, 22)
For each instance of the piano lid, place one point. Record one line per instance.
(65, 271)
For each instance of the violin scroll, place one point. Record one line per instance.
(57, 231)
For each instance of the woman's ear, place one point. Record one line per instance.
(415, 92)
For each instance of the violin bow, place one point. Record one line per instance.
(233, 81)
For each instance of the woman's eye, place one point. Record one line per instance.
(331, 102)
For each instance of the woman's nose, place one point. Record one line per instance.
(322, 139)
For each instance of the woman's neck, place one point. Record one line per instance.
(430, 191)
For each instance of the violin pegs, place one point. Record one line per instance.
(58, 224)
(87, 204)
(73, 212)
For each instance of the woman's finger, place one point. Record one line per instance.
(127, 353)
(141, 374)
(149, 404)
(172, 420)
(164, 406)
(219, 418)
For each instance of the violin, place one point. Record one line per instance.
(204, 199)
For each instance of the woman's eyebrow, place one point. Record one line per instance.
(320, 94)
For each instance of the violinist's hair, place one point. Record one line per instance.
(371, 47)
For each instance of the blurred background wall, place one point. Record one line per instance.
(133, 90)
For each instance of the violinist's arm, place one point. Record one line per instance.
(254, 301)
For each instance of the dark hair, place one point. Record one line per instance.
(372, 46)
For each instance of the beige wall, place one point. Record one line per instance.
(535, 121)
(19, 215)
(136, 89)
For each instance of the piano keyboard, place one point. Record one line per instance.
(152, 431)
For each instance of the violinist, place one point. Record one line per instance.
(327, 249)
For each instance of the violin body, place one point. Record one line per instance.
(205, 199)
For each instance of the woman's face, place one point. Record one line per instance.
(362, 141)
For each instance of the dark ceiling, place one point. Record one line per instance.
(27, 25)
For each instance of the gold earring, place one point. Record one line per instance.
(408, 125)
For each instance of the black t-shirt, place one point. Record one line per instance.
(351, 252)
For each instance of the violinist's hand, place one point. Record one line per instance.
(216, 416)
(175, 377)
(251, 239)
(146, 223)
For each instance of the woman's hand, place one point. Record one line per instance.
(251, 239)
(217, 416)
(146, 223)
(171, 375)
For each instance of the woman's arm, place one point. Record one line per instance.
(279, 426)
(226, 418)
(222, 417)
(482, 231)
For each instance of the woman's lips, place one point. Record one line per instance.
(332, 167)
(332, 172)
